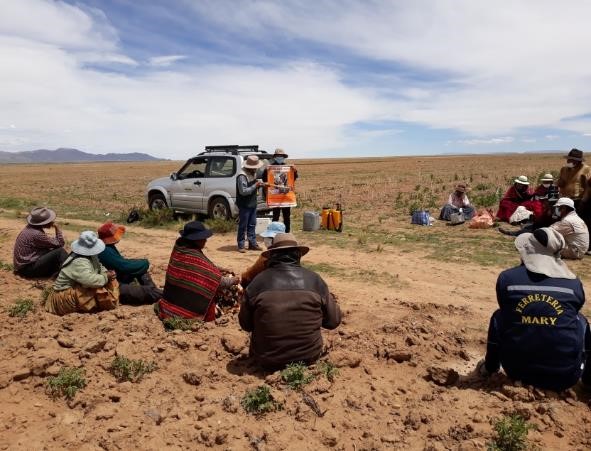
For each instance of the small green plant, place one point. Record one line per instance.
(66, 383)
(176, 323)
(328, 370)
(6, 266)
(21, 307)
(219, 225)
(46, 292)
(296, 375)
(510, 434)
(125, 369)
(259, 401)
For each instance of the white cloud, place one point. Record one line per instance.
(165, 61)
(551, 137)
(528, 140)
(475, 141)
(586, 134)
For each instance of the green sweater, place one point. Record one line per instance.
(124, 267)
(85, 271)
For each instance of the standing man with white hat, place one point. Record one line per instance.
(36, 253)
(572, 228)
(246, 200)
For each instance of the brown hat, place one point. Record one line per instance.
(461, 187)
(111, 233)
(575, 154)
(252, 162)
(40, 216)
(280, 153)
(284, 241)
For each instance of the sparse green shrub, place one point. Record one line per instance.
(125, 369)
(21, 307)
(259, 401)
(46, 292)
(296, 375)
(485, 200)
(328, 370)
(176, 323)
(66, 383)
(219, 225)
(510, 434)
(6, 266)
(156, 218)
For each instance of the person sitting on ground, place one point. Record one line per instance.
(538, 334)
(543, 190)
(36, 254)
(192, 280)
(83, 284)
(572, 228)
(458, 201)
(268, 235)
(136, 287)
(515, 196)
(285, 306)
(569, 180)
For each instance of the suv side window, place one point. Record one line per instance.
(222, 167)
(194, 169)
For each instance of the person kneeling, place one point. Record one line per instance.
(538, 334)
(285, 306)
(83, 284)
(136, 286)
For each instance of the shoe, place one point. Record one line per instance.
(241, 250)
(255, 248)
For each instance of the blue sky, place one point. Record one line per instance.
(319, 79)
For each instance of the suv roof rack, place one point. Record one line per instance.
(233, 149)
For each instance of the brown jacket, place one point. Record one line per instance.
(569, 181)
(284, 307)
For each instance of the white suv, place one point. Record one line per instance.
(206, 183)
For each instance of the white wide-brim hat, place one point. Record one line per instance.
(522, 180)
(543, 259)
(88, 244)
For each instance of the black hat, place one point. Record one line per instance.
(194, 231)
(575, 154)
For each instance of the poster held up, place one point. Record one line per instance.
(281, 190)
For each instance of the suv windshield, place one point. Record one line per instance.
(195, 169)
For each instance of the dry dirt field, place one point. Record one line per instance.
(416, 303)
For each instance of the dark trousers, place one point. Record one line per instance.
(286, 216)
(247, 222)
(46, 266)
(146, 292)
(492, 360)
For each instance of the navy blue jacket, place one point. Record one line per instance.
(541, 334)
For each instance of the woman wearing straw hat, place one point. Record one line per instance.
(458, 200)
(83, 284)
(538, 334)
(515, 196)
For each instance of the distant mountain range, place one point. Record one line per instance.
(64, 155)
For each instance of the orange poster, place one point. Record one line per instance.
(281, 189)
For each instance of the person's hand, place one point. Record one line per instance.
(112, 275)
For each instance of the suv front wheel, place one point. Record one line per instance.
(219, 208)
(157, 202)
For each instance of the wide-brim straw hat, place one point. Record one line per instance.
(40, 216)
(543, 259)
(280, 153)
(547, 178)
(522, 180)
(252, 162)
(284, 241)
(461, 187)
(565, 202)
(111, 233)
(88, 244)
(575, 154)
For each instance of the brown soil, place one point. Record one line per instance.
(398, 349)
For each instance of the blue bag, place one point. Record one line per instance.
(420, 217)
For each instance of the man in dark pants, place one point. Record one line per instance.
(278, 159)
(246, 200)
(285, 306)
(538, 334)
(36, 254)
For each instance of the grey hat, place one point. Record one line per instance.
(540, 253)
(252, 162)
(41, 216)
(88, 244)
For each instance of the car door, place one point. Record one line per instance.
(188, 191)
(220, 176)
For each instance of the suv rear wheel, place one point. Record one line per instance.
(219, 208)
(157, 202)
